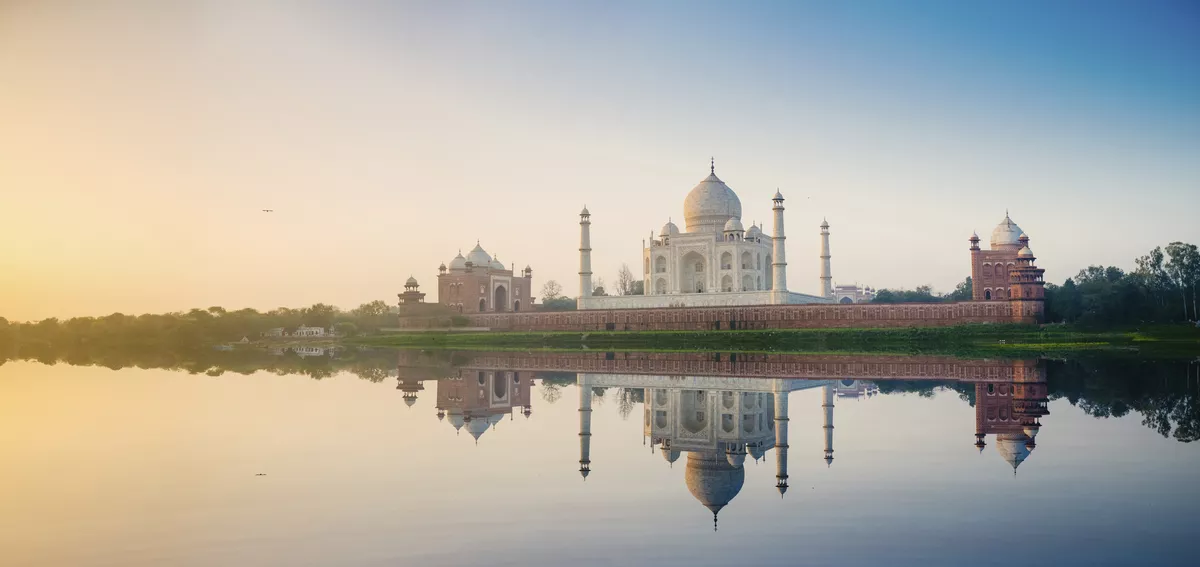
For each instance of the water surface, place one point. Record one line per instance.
(466, 458)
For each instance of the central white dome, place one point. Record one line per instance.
(709, 205)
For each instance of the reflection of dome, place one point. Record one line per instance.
(709, 205)
(669, 454)
(478, 257)
(734, 225)
(669, 229)
(476, 427)
(736, 458)
(456, 419)
(1007, 235)
(458, 263)
(410, 401)
(1012, 447)
(712, 480)
(757, 452)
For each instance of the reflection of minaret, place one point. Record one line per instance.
(781, 438)
(585, 426)
(828, 407)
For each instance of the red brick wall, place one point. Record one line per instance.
(748, 317)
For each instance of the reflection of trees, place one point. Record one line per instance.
(551, 392)
(1163, 392)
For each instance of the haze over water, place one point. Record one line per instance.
(158, 467)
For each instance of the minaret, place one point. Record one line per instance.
(585, 253)
(976, 266)
(826, 272)
(585, 426)
(778, 257)
(828, 407)
(781, 437)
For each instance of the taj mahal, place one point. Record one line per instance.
(715, 261)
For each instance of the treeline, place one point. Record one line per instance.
(1161, 289)
(924, 294)
(196, 327)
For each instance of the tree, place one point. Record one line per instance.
(962, 291)
(319, 315)
(346, 329)
(1183, 268)
(638, 288)
(377, 308)
(598, 288)
(551, 290)
(624, 280)
(559, 304)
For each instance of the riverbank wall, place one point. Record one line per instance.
(865, 316)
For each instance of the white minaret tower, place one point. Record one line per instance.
(826, 277)
(778, 254)
(781, 437)
(585, 253)
(585, 425)
(827, 405)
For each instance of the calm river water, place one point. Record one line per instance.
(410, 458)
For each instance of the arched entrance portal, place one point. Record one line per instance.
(692, 274)
(501, 298)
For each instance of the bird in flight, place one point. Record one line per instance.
(268, 210)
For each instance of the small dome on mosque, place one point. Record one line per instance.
(496, 264)
(458, 263)
(1007, 235)
(478, 256)
(410, 282)
(442, 267)
(712, 480)
(670, 455)
(734, 225)
(1025, 253)
(753, 231)
(1012, 447)
(669, 229)
(709, 204)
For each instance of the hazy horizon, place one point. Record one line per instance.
(142, 140)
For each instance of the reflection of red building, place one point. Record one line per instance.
(1012, 411)
(478, 399)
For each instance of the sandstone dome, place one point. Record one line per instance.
(709, 205)
(1007, 235)
(1025, 253)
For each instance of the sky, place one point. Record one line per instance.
(141, 140)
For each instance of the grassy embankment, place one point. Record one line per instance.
(965, 340)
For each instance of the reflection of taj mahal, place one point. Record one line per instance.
(717, 422)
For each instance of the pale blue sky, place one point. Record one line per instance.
(144, 139)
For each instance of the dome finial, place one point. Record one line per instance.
(712, 165)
